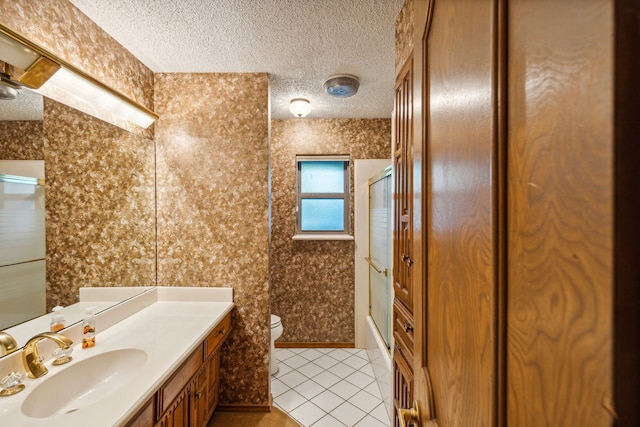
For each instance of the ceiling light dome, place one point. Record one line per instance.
(300, 107)
(342, 85)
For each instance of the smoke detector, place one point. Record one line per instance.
(342, 85)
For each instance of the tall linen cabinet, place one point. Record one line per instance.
(518, 120)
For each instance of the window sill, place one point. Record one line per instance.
(322, 237)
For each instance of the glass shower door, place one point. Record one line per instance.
(22, 241)
(380, 253)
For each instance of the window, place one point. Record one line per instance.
(322, 202)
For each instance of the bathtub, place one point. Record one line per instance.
(380, 362)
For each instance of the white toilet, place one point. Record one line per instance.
(276, 332)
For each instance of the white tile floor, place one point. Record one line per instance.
(328, 387)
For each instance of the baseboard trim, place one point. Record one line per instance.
(243, 408)
(314, 345)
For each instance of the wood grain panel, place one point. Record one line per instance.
(559, 320)
(461, 147)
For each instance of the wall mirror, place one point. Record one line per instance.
(99, 200)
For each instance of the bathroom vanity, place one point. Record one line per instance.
(156, 363)
(190, 396)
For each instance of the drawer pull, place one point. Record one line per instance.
(221, 331)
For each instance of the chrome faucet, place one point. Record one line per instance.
(8, 344)
(31, 356)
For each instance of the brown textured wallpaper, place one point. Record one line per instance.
(212, 185)
(312, 281)
(100, 205)
(21, 140)
(404, 35)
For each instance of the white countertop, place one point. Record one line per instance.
(168, 330)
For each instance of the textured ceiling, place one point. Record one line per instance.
(27, 106)
(300, 43)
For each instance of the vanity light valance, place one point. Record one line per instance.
(14, 179)
(323, 158)
(43, 72)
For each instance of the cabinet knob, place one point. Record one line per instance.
(407, 326)
(409, 416)
(407, 260)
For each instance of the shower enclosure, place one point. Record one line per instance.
(22, 241)
(379, 259)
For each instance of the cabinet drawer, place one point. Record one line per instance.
(170, 390)
(403, 329)
(217, 336)
(144, 417)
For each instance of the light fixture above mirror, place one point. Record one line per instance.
(39, 70)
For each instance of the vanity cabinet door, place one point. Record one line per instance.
(199, 398)
(178, 413)
(213, 381)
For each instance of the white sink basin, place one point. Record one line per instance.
(83, 383)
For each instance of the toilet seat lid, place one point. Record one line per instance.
(275, 320)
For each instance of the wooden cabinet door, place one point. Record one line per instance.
(178, 413)
(403, 191)
(402, 384)
(199, 399)
(213, 382)
(403, 240)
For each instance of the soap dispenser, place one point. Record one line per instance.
(89, 328)
(57, 320)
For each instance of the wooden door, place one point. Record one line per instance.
(461, 120)
(513, 212)
(560, 204)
